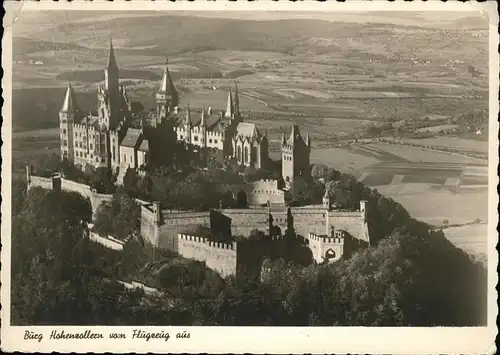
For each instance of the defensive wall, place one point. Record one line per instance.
(59, 183)
(221, 257)
(161, 227)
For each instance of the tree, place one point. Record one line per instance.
(318, 171)
(119, 218)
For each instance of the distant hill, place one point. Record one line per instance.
(160, 34)
(26, 46)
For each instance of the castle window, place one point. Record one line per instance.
(65, 142)
(196, 138)
(182, 137)
(91, 146)
(215, 141)
(247, 157)
(91, 156)
(239, 153)
(63, 120)
(209, 141)
(64, 130)
(102, 160)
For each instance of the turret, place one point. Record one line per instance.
(203, 129)
(167, 97)
(188, 125)
(68, 113)
(326, 199)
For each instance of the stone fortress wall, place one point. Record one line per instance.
(322, 227)
(59, 183)
(220, 257)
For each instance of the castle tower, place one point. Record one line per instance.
(68, 113)
(229, 108)
(167, 96)
(188, 125)
(203, 129)
(295, 153)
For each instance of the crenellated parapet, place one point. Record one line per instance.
(221, 257)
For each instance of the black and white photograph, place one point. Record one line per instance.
(247, 168)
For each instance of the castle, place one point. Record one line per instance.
(108, 139)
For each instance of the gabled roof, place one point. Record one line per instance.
(132, 138)
(90, 120)
(248, 130)
(144, 146)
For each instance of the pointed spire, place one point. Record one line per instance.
(111, 59)
(203, 123)
(229, 107)
(308, 139)
(188, 117)
(70, 104)
(167, 83)
(294, 135)
(236, 99)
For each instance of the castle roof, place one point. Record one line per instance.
(144, 146)
(70, 104)
(212, 121)
(248, 130)
(133, 138)
(167, 83)
(90, 120)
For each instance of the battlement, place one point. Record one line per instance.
(221, 245)
(193, 238)
(325, 239)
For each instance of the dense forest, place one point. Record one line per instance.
(410, 275)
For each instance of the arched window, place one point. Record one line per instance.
(239, 153)
(246, 155)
